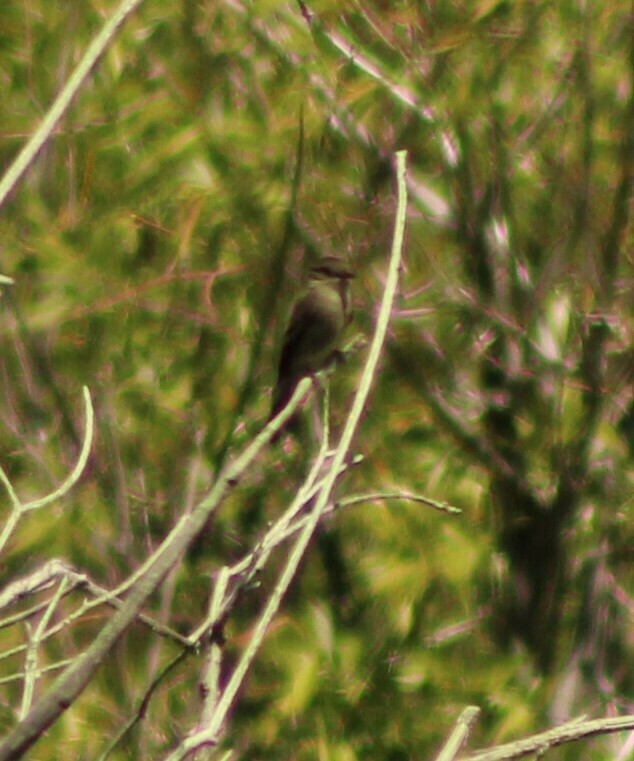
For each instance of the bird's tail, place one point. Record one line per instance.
(282, 393)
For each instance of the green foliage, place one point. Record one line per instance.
(155, 247)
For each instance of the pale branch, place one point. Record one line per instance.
(224, 598)
(574, 730)
(19, 508)
(19, 676)
(31, 671)
(444, 507)
(60, 106)
(34, 582)
(459, 735)
(72, 682)
(298, 522)
(243, 572)
(56, 570)
(13, 651)
(210, 681)
(211, 733)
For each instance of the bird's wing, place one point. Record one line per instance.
(312, 331)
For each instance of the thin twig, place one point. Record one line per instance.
(211, 733)
(72, 682)
(569, 732)
(61, 104)
(459, 735)
(20, 508)
(444, 507)
(31, 670)
(48, 575)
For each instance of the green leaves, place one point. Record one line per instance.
(144, 246)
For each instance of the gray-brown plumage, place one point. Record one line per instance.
(314, 329)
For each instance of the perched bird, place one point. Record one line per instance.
(315, 327)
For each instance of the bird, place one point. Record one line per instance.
(315, 327)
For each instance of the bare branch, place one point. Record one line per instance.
(211, 733)
(72, 682)
(569, 732)
(62, 103)
(459, 735)
(19, 508)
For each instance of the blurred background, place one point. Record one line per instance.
(156, 246)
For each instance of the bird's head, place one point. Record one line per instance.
(330, 268)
